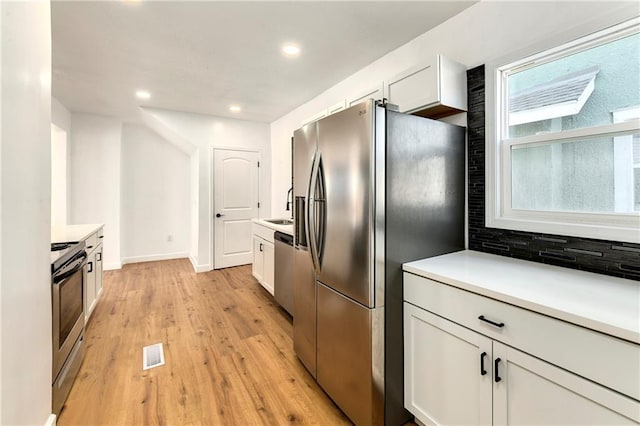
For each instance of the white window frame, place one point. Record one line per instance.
(499, 214)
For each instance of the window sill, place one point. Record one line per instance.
(559, 224)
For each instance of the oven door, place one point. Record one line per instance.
(68, 315)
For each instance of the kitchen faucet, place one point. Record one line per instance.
(288, 207)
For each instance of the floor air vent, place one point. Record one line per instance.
(152, 356)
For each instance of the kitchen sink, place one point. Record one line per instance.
(280, 221)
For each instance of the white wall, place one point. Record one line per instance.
(204, 133)
(194, 173)
(60, 115)
(25, 194)
(484, 32)
(94, 186)
(156, 197)
(61, 118)
(59, 173)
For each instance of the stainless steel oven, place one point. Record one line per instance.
(67, 298)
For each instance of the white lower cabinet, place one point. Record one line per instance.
(93, 272)
(90, 295)
(263, 262)
(443, 381)
(99, 270)
(456, 376)
(533, 392)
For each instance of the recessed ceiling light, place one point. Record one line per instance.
(143, 94)
(235, 108)
(290, 50)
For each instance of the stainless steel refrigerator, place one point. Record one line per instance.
(373, 189)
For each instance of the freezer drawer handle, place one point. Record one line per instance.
(495, 368)
(495, 324)
(482, 370)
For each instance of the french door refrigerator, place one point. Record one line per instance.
(373, 189)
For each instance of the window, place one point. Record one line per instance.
(565, 151)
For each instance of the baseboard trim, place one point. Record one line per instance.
(51, 420)
(199, 268)
(154, 257)
(110, 266)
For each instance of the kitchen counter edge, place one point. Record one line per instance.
(68, 233)
(287, 229)
(599, 302)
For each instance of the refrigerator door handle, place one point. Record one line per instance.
(310, 213)
(321, 211)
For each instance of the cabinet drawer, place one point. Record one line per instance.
(607, 360)
(263, 232)
(92, 241)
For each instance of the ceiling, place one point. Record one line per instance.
(204, 56)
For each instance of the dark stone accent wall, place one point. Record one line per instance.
(604, 257)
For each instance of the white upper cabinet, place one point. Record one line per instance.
(315, 117)
(376, 92)
(336, 107)
(434, 89)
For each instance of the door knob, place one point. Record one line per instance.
(219, 215)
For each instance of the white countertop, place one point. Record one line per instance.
(68, 233)
(599, 302)
(287, 229)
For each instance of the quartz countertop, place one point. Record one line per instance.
(599, 302)
(287, 229)
(68, 233)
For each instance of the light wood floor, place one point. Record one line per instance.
(228, 352)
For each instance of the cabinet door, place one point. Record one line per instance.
(337, 107)
(533, 392)
(373, 93)
(89, 285)
(447, 371)
(99, 270)
(315, 117)
(415, 88)
(258, 258)
(268, 274)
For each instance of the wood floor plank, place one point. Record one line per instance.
(228, 347)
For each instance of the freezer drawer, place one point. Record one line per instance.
(349, 355)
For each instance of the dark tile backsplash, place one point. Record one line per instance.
(604, 257)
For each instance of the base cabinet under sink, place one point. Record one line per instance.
(263, 262)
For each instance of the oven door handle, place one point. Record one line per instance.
(77, 265)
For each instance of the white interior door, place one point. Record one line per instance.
(236, 202)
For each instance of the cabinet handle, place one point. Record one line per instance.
(482, 370)
(99, 259)
(497, 378)
(89, 247)
(495, 324)
(90, 267)
(101, 236)
(260, 246)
